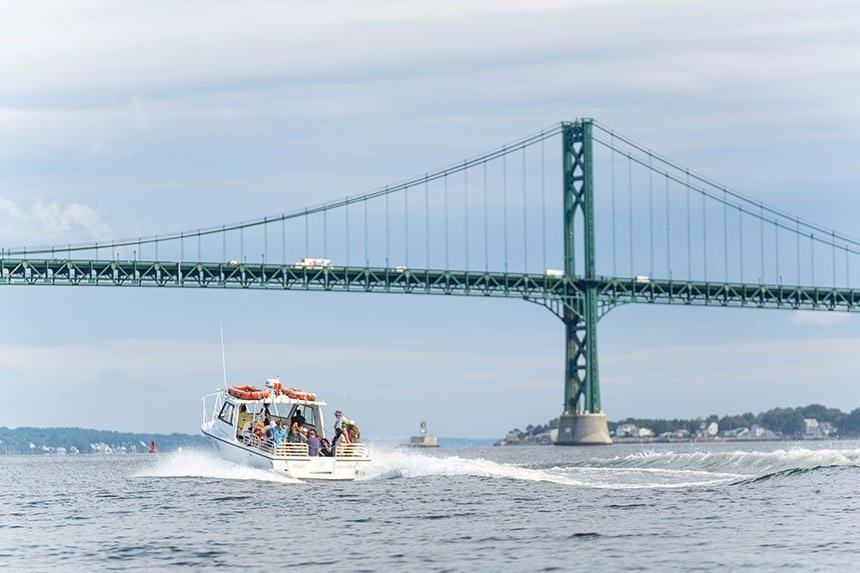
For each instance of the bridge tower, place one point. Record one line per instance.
(582, 420)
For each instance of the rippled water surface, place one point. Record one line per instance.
(657, 507)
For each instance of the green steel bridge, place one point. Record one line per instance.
(635, 182)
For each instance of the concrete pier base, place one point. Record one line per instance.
(583, 429)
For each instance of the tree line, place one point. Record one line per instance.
(787, 421)
(18, 440)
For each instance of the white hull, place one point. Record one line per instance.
(303, 468)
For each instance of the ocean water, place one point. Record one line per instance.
(667, 507)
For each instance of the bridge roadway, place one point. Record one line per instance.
(550, 291)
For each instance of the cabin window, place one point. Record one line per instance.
(308, 413)
(226, 414)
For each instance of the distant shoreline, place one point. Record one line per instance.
(85, 441)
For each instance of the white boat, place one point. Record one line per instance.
(229, 415)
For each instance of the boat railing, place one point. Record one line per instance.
(291, 450)
(350, 450)
(300, 449)
(282, 450)
(211, 406)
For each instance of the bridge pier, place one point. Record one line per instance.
(583, 429)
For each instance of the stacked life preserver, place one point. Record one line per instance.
(248, 392)
(296, 394)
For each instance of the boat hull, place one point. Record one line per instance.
(303, 468)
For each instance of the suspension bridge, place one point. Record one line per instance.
(628, 226)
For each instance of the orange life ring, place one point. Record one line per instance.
(296, 394)
(248, 392)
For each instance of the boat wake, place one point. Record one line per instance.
(397, 464)
(747, 463)
(205, 464)
(642, 470)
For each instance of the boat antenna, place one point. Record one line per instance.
(223, 358)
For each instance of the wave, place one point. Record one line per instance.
(749, 463)
(400, 464)
(792, 472)
(203, 464)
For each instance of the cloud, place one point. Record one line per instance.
(43, 222)
(819, 319)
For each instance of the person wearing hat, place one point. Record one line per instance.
(338, 430)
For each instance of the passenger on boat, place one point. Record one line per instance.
(260, 428)
(325, 448)
(314, 444)
(338, 428)
(279, 433)
(264, 428)
(351, 430)
(298, 418)
(245, 420)
(295, 436)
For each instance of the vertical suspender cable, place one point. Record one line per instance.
(668, 232)
(242, 244)
(776, 250)
(525, 218)
(181, 248)
(307, 234)
(265, 238)
(346, 216)
(704, 236)
(741, 242)
(689, 233)
(325, 230)
(761, 228)
(445, 186)
(199, 247)
(486, 225)
(612, 205)
(156, 248)
(651, 214)
(223, 244)
(406, 226)
(543, 203)
(426, 222)
(283, 240)
(366, 253)
(847, 269)
(725, 236)
(466, 213)
(387, 230)
(812, 259)
(797, 237)
(833, 243)
(630, 205)
(505, 205)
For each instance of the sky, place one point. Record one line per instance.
(151, 117)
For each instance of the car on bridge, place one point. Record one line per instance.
(311, 263)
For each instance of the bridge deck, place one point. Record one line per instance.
(535, 287)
